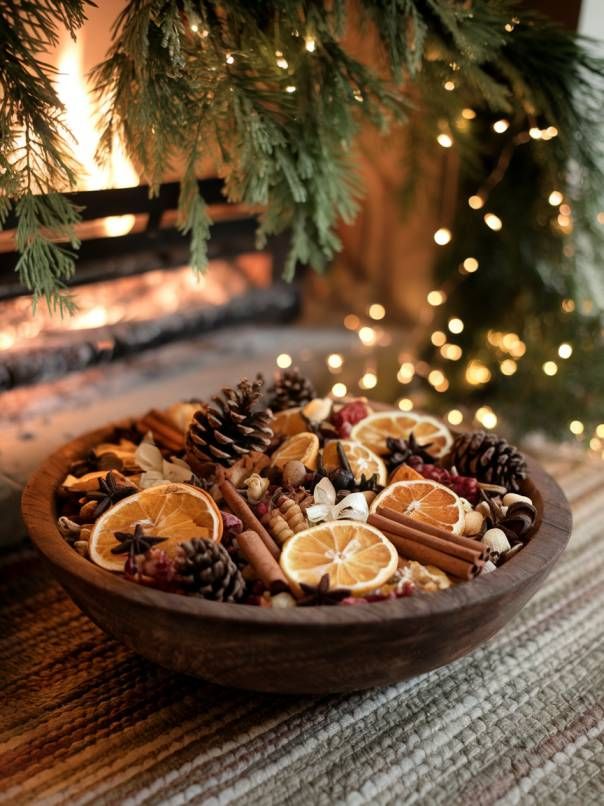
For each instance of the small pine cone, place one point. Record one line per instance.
(209, 571)
(290, 389)
(232, 426)
(489, 458)
(277, 526)
(293, 514)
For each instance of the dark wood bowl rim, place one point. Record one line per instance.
(38, 506)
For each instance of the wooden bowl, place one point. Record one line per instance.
(306, 650)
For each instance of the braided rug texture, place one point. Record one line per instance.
(521, 720)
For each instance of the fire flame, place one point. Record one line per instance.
(80, 115)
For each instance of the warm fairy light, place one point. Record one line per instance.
(470, 264)
(436, 298)
(493, 221)
(555, 198)
(486, 417)
(444, 140)
(508, 366)
(547, 134)
(405, 404)
(455, 325)
(442, 387)
(600, 431)
(476, 202)
(194, 28)
(452, 352)
(377, 311)
(449, 86)
(550, 368)
(310, 44)
(501, 126)
(339, 390)
(335, 361)
(230, 59)
(576, 427)
(438, 338)
(368, 336)
(509, 27)
(518, 349)
(281, 61)
(357, 95)
(406, 372)
(442, 236)
(290, 88)
(352, 321)
(455, 417)
(565, 209)
(477, 373)
(595, 444)
(509, 341)
(369, 380)
(284, 360)
(535, 133)
(436, 377)
(565, 350)
(468, 114)
(117, 225)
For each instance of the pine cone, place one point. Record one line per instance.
(289, 390)
(230, 427)
(209, 571)
(489, 458)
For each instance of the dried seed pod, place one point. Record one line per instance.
(68, 528)
(496, 540)
(473, 523)
(293, 514)
(277, 526)
(294, 473)
(516, 498)
(87, 511)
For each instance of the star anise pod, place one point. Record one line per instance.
(110, 492)
(137, 542)
(321, 595)
(401, 450)
(325, 430)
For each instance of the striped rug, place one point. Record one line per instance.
(84, 721)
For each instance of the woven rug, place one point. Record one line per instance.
(85, 721)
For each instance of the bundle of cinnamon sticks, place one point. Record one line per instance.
(163, 429)
(458, 556)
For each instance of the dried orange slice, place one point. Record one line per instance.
(373, 431)
(404, 473)
(424, 500)
(304, 447)
(355, 555)
(362, 460)
(288, 422)
(175, 511)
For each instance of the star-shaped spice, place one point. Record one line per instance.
(321, 595)
(136, 542)
(110, 491)
(401, 450)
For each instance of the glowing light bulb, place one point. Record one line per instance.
(335, 361)
(455, 325)
(436, 298)
(436, 377)
(508, 366)
(576, 427)
(438, 338)
(477, 373)
(595, 444)
(449, 86)
(489, 419)
(535, 133)
(501, 126)
(470, 264)
(284, 360)
(282, 63)
(565, 350)
(550, 368)
(290, 88)
(310, 44)
(568, 305)
(555, 198)
(406, 372)
(194, 28)
(351, 321)
(468, 114)
(476, 202)
(455, 417)
(442, 236)
(377, 311)
(444, 140)
(405, 404)
(369, 380)
(339, 390)
(230, 59)
(368, 336)
(452, 352)
(493, 222)
(600, 430)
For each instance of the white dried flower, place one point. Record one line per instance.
(318, 409)
(256, 487)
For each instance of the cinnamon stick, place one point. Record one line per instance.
(431, 541)
(239, 507)
(262, 561)
(421, 526)
(461, 569)
(163, 430)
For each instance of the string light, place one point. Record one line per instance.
(335, 361)
(368, 336)
(595, 444)
(452, 352)
(281, 60)
(509, 27)
(290, 88)
(284, 360)
(470, 264)
(436, 298)
(477, 373)
(449, 86)
(194, 28)
(555, 198)
(442, 236)
(576, 427)
(476, 202)
(406, 372)
(438, 338)
(436, 378)
(357, 95)
(310, 44)
(568, 305)
(405, 404)
(455, 417)
(565, 350)
(508, 366)
(518, 349)
(535, 133)
(339, 390)
(368, 381)
(493, 222)
(377, 311)
(600, 431)
(550, 368)
(468, 114)
(444, 140)
(565, 209)
(501, 126)
(455, 325)
(230, 59)
(351, 321)
(549, 133)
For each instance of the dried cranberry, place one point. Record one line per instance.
(350, 414)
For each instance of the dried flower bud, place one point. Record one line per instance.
(256, 487)
(231, 522)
